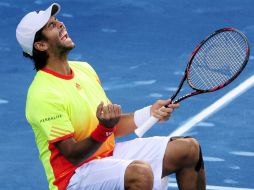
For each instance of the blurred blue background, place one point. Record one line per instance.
(140, 50)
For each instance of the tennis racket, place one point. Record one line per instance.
(214, 63)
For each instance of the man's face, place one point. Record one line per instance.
(58, 40)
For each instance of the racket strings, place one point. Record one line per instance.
(218, 64)
(221, 60)
(218, 60)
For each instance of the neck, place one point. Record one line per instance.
(59, 65)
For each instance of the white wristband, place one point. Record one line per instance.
(142, 115)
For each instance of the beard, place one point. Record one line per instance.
(62, 50)
(65, 49)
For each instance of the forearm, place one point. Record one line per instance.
(77, 152)
(125, 125)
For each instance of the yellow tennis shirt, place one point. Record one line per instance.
(60, 107)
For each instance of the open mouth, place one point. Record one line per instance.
(63, 35)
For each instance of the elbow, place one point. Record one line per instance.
(74, 161)
(73, 158)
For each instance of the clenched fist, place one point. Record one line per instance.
(108, 115)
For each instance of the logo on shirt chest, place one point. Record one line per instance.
(77, 85)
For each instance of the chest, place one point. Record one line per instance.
(83, 94)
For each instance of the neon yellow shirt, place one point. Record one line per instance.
(60, 107)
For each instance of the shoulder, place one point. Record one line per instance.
(43, 99)
(84, 67)
(42, 84)
(81, 65)
(44, 89)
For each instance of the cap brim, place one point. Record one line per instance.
(52, 10)
(55, 8)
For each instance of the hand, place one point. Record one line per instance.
(108, 115)
(163, 113)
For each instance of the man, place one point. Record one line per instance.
(75, 124)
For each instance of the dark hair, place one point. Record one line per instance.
(39, 58)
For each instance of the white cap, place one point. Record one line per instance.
(32, 23)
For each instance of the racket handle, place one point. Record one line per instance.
(146, 126)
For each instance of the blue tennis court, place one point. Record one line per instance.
(140, 50)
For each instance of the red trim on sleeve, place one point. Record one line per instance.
(63, 170)
(66, 77)
(61, 138)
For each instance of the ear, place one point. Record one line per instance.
(41, 46)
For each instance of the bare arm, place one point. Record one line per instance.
(77, 152)
(127, 125)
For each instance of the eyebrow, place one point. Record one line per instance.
(51, 21)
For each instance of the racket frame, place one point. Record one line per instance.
(187, 70)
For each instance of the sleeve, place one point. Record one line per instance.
(47, 113)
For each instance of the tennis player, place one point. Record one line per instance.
(75, 124)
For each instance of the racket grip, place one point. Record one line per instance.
(146, 126)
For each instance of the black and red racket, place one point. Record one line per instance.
(214, 63)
